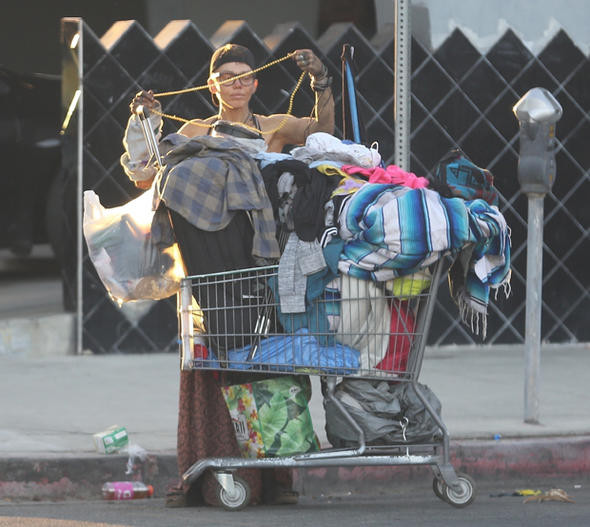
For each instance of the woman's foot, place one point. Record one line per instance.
(176, 498)
(284, 497)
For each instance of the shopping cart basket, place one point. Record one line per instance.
(346, 332)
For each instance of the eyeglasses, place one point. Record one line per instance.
(223, 77)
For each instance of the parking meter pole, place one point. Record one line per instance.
(534, 299)
(537, 112)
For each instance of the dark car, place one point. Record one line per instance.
(31, 154)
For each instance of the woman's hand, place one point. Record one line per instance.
(145, 99)
(145, 184)
(307, 61)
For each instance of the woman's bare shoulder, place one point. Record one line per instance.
(196, 127)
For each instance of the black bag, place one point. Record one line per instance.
(388, 413)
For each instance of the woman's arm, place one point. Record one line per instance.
(295, 130)
(321, 84)
(135, 158)
(323, 121)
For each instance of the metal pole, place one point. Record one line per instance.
(80, 197)
(403, 45)
(537, 112)
(534, 300)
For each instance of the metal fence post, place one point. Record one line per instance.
(403, 46)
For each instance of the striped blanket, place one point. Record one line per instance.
(392, 231)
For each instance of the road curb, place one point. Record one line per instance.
(533, 457)
(55, 477)
(81, 477)
(523, 459)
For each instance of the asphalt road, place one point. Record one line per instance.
(413, 505)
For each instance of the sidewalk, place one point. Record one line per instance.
(51, 406)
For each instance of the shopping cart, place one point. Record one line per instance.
(346, 332)
(342, 335)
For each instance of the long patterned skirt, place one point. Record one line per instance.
(204, 425)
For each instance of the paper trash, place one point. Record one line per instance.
(111, 440)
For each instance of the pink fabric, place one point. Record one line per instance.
(390, 175)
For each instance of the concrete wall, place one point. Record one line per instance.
(261, 15)
(534, 21)
(29, 39)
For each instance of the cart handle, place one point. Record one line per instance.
(148, 134)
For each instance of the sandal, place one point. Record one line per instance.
(176, 498)
(284, 497)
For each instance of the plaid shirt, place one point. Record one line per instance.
(206, 179)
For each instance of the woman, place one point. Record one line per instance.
(204, 426)
(232, 96)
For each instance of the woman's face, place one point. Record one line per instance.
(234, 94)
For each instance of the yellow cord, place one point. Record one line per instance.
(232, 79)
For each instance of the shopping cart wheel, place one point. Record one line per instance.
(463, 495)
(438, 487)
(238, 499)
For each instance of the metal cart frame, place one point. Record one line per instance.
(457, 489)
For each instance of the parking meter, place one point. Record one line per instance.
(537, 112)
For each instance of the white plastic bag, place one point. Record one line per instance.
(131, 262)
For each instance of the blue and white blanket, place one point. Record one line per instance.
(392, 231)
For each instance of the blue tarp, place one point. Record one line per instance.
(298, 352)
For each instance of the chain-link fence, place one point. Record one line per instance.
(459, 98)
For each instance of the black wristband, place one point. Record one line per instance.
(321, 84)
(323, 74)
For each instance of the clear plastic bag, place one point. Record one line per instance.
(132, 248)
